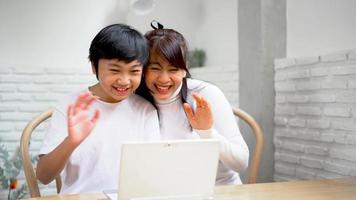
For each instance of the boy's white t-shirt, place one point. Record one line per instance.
(94, 164)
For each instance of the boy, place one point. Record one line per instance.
(83, 141)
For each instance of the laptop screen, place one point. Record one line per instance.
(168, 169)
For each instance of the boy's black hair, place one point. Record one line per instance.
(118, 41)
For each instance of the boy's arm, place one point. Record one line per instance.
(79, 127)
(50, 165)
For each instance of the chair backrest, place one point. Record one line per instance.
(31, 178)
(256, 157)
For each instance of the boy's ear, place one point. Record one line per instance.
(93, 68)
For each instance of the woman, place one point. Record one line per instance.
(183, 107)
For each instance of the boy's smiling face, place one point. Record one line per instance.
(117, 79)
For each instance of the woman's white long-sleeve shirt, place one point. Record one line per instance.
(234, 153)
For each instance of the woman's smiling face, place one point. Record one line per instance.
(162, 79)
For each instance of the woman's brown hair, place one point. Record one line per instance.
(172, 46)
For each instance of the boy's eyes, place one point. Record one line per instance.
(173, 69)
(136, 71)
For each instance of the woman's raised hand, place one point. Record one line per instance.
(80, 124)
(202, 118)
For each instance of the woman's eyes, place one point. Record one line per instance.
(156, 68)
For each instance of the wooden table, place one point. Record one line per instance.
(333, 189)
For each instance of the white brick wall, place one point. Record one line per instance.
(315, 117)
(225, 77)
(25, 92)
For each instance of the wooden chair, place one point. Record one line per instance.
(31, 178)
(256, 157)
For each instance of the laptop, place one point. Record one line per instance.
(172, 170)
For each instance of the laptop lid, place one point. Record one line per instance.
(180, 168)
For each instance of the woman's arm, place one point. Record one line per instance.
(234, 152)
